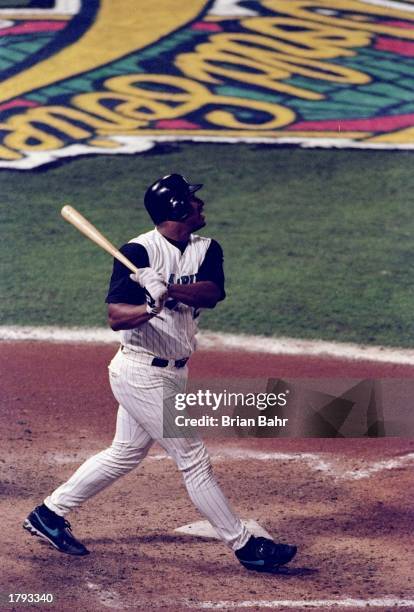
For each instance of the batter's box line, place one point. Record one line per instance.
(111, 599)
(318, 604)
(316, 462)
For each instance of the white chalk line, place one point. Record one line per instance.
(322, 463)
(209, 340)
(325, 464)
(380, 466)
(111, 599)
(348, 602)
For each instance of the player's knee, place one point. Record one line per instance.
(123, 456)
(197, 472)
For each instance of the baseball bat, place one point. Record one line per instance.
(74, 217)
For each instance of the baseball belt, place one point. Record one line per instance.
(157, 362)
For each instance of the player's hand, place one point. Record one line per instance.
(145, 276)
(156, 293)
(155, 300)
(156, 290)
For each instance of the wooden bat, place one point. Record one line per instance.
(74, 217)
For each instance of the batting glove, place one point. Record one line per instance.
(145, 276)
(156, 289)
(155, 294)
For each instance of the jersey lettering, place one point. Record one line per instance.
(186, 279)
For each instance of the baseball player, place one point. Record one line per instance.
(156, 311)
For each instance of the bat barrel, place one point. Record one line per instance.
(74, 217)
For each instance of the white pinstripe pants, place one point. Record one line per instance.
(141, 391)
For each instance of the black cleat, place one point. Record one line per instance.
(264, 555)
(54, 529)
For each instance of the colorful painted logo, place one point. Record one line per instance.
(103, 76)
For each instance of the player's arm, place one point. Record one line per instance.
(127, 316)
(209, 286)
(202, 294)
(126, 301)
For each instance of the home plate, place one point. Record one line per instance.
(204, 529)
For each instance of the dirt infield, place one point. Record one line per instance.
(346, 503)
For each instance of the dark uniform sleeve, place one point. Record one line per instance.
(212, 267)
(122, 290)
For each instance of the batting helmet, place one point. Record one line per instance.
(169, 198)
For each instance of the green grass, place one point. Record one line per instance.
(318, 243)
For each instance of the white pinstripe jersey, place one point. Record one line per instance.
(173, 335)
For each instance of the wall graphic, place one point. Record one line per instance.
(104, 76)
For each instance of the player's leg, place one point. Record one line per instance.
(158, 387)
(191, 457)
(193, 461)
(259, 554)
(130, 445)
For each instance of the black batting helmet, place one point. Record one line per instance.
(169, 198)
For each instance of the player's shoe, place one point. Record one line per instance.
(264, 555)
(54, 529)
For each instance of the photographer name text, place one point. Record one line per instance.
(227, 421)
